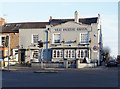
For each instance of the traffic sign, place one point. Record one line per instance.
(95, 48)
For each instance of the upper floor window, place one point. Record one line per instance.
(84, 37)
(35, 38)
(56, 38)
(2, 40)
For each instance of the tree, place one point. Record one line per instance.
(106, 53)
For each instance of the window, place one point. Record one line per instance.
(7, 25)
(56, 38)
(18, 25)
(35, 38)
(1, 54)
(35, 54)
(57, 53)
(69, 53)
(81, 53)
(6, 52)
(3, 41)
(83, 37)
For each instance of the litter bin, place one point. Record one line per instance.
(1, 64)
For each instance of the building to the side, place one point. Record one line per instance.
(62, 39)
(28, 41)
(9, 39)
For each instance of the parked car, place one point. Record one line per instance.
(118, 59)
(111, 62)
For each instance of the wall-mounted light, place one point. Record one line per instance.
(95, 35)
(48, 42)
(63, 41)
(90, 40)
(75, 41)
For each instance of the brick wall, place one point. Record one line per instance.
(14, 39)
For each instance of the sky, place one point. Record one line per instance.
(34, 11)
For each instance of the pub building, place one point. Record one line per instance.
(76, 38)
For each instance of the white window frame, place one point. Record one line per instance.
(1, 39)
(71, 56)
(33, 38)
(80, 53)
(87, 38)
(60, 53)
(53, 38)
(35, 51)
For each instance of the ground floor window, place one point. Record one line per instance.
(35, 54)
(57, 53)
(69, 53)
(1, 54)
(81, 53)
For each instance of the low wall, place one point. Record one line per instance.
(61, 65)
(47, 65)
(85, 65)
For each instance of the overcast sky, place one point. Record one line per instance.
(41, 11)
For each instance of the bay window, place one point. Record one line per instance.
(81, 53)
(57, 53)
(69, 53)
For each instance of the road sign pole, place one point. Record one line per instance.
(8, 50)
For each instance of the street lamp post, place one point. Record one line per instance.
(8, 37)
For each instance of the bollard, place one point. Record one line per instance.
(77, 63)
(41, 63)
(65, 63)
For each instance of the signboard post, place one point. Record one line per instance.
(8, 45)
(95, 49)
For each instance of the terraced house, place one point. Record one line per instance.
(69, 39)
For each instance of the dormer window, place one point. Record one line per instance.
(18, 25)
(7, 25)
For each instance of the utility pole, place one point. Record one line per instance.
(8, 39)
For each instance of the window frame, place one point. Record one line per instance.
(33, 38)
(55, 53)
(87, 38)
(53, 41)
(84, 54)
(35, 51)
(1, 39)
(69, 53)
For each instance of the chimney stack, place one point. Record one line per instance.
(50, 17)
(2, 21)
(76, 17)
